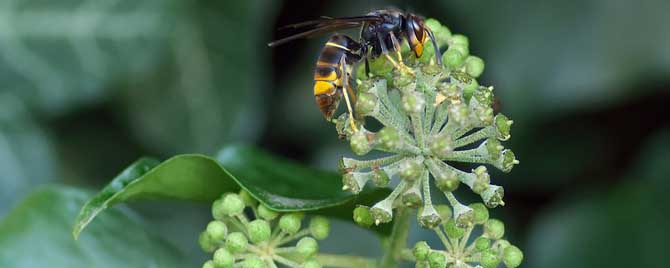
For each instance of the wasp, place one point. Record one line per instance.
(381, 33)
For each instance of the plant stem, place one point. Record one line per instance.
(397, 240)
(345, 261)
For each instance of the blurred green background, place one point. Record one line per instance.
(86, 87)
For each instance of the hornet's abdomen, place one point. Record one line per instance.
(328, 74)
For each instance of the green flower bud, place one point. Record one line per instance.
(403, 80)
(382, 211)
(366, 103)
(254, 262)
(453, 231)
(247, 199)
(469, 89)
(319, 227)
(489, 259)
(512, 257)
(206, 243)
(266, 213)
(482, 243)
(453, 58)
(311, 264)
(231, 205)
(482, 95)
(223, 259)
(482, 180)
(431, 69)
(412, 196)
(450, 91)
(428, 53)
(290, 223)
(217, 230)
(208, 264)
(508, 161)
(464, 215)
(463, 49)
(481, 213)
(429, 218)
(342, 126)
(360, 142)
(259, 231)
(413, 102)
(503, 125)
(441, 146)
(380, 66)
(494, 229)
(217, 210)
(474, 66)
(494, 148)
(421, 250)
(362, 216)
(422, 264)
(389, 139)
(437, 259)
(502, 244)
(236, 242)
(444, 211)
(493, 196)
(354, 181)
(433, 25)
(411, 169)
(307, 247)
(459, 39)
(459, 113)
(379, 177)
(446, 180)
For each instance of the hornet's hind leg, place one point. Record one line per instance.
(346, 90)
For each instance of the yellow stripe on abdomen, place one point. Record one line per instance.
(323, 87)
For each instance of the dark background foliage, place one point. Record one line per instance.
(87, 87)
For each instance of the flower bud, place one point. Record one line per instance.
(412, 196)
(422, 264)
(453, 231)
(482, 179)
(421, 250)
(441, 146)
(411, 169)
(206, 243)
(290, 223)
(259, 231)
(247, 199)
(459, 113)
(223, 259)
(366, 103)
(502, 244)
(453, 58)
(236, 242)
(429, 218)
(208, 264)
(508, 161)
(481, 213)
(379, 177)
(413, 102)
(319, 227)
(389, 139)
(482, 243)
(436, 259)
(512, 257)
(403, 81)
(266, 213)
(382, 211)
(469, 89)
(307, 247)
(380, 66)
(230, 205)
(493, 196)
(254, 262)
(444, 211)
(362, 216)
(354, 181)
(217, 231)
(459, 39)
(494, 148)
(464, 215)
(450, 91)
(446, 180)
(503, 125)
(494, 229)
(463, 49)
(360, 143)
(489, 259)
(428, 53)
(474, 66)
(311, 264)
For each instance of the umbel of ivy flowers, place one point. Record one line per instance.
(267, 239)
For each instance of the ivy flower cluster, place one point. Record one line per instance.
(245, 234)
(488, 250)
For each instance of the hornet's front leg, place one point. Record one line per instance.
(401, 65)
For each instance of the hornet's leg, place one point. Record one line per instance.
(400, 66)
(345, 91)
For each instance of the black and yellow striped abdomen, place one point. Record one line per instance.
(328, 74)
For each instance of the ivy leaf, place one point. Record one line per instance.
(36, 234)
(280, 184)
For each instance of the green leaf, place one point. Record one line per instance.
(280, 184)
(36, 233)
